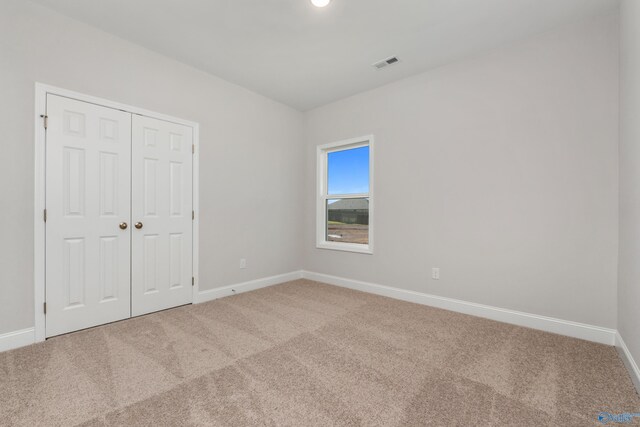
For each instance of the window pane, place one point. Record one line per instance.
(348, 220)
(348, 171)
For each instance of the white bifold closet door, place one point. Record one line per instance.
(161, 244)
(119, 215)
(88, 180)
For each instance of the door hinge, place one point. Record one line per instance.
(193, 148)
(193, 281)
(45, 120)
(193, 215)
(45, 215)
(45, 308)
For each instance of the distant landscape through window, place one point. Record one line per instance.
(348, 175)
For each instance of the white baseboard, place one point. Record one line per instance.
(628, 360)
(17, 339)
(549, 324)
(25, 337)
(597, 334)
(252, 285)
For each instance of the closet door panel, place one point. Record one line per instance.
(162, 215)
(88, 199)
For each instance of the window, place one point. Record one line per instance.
(345, 195)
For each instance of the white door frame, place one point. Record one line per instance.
(41, 91)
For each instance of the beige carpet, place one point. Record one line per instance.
(305, 353)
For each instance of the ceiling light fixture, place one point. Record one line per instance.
(320, 3)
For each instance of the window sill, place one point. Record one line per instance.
(346, 247)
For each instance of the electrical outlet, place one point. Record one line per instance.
(435, 273)
(243, 263)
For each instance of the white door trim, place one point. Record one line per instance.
(41, 91)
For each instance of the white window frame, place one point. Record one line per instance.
(322, 196)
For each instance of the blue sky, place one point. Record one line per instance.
(348, 171)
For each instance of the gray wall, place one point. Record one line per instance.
(250, 148)
(629, 268)
(501, 170)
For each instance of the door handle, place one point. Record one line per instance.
(138, 225)
(123, 226)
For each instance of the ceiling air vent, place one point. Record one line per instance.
(385, 62)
